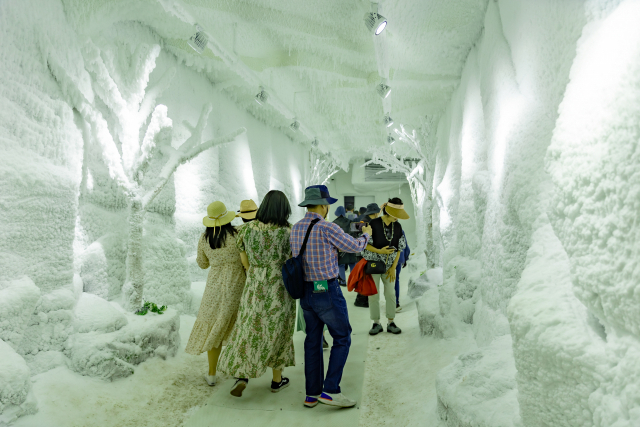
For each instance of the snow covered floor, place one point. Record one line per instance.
(172, 392)
(400, 375)
(159, 393)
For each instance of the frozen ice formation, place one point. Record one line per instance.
(517, 129)
(96, 314)
(114, 355)
(16, 398)
(479, 388)
(18, 299)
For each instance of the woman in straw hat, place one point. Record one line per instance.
(248, 210)
(263, 337)
(387, 241)
(225, 283)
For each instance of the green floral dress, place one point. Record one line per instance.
(263, 335)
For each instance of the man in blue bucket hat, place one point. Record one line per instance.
(323, 302)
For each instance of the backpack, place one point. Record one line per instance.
(293, 269)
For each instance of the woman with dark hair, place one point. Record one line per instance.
(263, 337)
(225, 283)
(386, 243)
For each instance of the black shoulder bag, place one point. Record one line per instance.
(293, 269)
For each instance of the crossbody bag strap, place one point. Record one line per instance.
(306, 238)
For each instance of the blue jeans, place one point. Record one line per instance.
(342, 270)
(326, 308)
(398, 270)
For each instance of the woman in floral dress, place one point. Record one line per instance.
(263, 336)
(219, 307)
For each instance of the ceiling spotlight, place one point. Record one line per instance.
(388, 121)
(262, 96)
(199, 40)
(374, 21)
(315, 142)
(295, 125)
(383, 90)
(390, 140)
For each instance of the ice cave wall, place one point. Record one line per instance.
(536, 209)
(63, 228)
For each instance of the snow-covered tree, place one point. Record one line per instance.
(419, 169)
(321, 167)
(145, 160)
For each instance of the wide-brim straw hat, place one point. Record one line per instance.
(396, 211)
(218, 215)
(248, 209)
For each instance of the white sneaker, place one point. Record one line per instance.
(398, 309)
(211, 379)
(336, 399)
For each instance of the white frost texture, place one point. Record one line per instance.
(516, 132)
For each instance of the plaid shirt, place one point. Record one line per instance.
(321, 257)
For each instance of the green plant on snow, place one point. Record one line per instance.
(150, 307)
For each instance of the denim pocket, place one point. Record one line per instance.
(320, 301)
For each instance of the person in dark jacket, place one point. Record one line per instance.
(402, 263)
(372, 211)
(387, 242)
(362, 210)
(345, 260)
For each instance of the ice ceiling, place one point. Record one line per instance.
(316, 59)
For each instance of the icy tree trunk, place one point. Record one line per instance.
(430, 250)
(134, 284)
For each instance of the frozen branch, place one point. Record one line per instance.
(149, 100)
(105, 86)
(183, 155)
(159, 121)
(142, 64)
(197, 131)
(98, 124)
(321, 168)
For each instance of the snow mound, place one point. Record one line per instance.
(556, 351)
(113, 355)
(96, 314)
(440, 312)
(93, 270)
(419, 285)
(50, 324)
(45, 361)
(16, 398)
(18, 299)
(479, 389)
(428, 310)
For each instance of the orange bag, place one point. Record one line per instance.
(361, 282)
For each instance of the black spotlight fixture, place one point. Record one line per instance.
(262, 96)
(199, 40)
(383, 90)
(388, 121)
